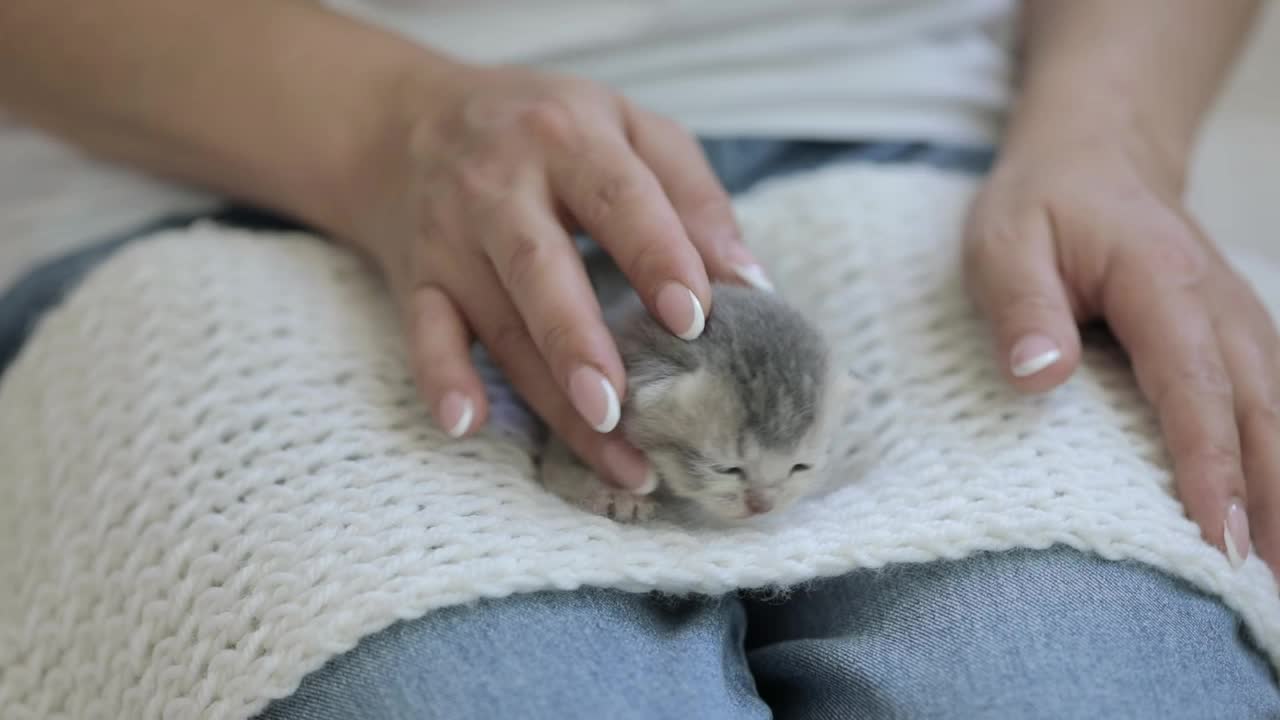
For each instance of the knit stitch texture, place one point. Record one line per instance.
(216, 474)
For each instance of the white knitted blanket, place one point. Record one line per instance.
(215, 474)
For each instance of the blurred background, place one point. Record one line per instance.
(1235, 182)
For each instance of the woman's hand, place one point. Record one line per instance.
(469, 212)
(462, 183)
(1092, 227)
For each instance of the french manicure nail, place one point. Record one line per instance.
(680, 310)
(594, 398)
(754, 276)
(1235, 534)
(1032, 354)
(628, 467)
(745, 266)
(455, 413)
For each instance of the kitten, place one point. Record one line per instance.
(736, 424)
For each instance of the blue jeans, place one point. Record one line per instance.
(1027, 634)
(1017, 635)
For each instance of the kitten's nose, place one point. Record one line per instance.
(757, 503)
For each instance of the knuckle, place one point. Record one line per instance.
(1203, 379)
(1219, 460)
(1263, 417)
(1208, 375)
(479, 182)
(612, 192)
(665, 125)
(1242, 299)
(509, 340)
(991, 232)
(1173, 256)
(520, 262)
(432, 228)
(584, 89)
(426, 300)
(431, 364)
(1030, 308)
(708, 203)
(987, 237)
(551, 120)
(556, 339)
(643, 261)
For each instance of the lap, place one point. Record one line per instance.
(1024, 634)
(1029, 634)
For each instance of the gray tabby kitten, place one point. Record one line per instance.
(736, 424)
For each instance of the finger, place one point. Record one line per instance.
(616, 199)
(440, 356)
(704, 208)
(503, 332)
(1013, 272)
(1251, 350)
(1152, 301)
(541, 270)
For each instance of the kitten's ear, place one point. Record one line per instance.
(679, 393)
(684, 392)
(688, 391)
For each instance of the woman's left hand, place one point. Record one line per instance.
(1094, 227)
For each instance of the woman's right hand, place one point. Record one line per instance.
(468, 208)
(461, 182)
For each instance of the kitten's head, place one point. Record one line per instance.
(739, 422)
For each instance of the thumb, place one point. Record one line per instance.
(1015, 278)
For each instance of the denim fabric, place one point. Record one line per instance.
(1023, 635)
(586, 654)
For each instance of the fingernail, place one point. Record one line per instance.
(594, 398)
(1032, 354)
(680, 310)
(455, 413)
(754, 276)
(628, 468)
(745, 265)
(1235, 534)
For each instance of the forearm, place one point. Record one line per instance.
(1150, 67)
(268, 102)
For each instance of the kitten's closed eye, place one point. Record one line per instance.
(738, 472)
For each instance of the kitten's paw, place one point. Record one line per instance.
(575, 483)
(620, 505)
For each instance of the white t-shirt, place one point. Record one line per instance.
(927, 70)
(870, 69)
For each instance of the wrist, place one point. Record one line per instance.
(394, 127)
(349, 123)
(1137, 76)
(1078, 117)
